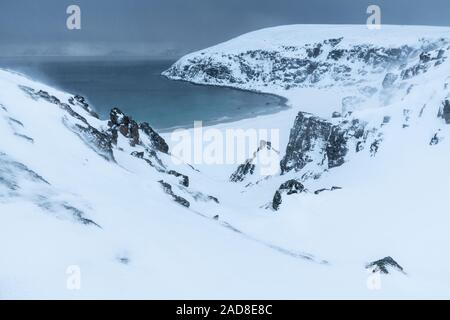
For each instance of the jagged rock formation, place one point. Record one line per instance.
(384, 265)
(100, 142)
(184, 179)
(313, 139)
(248, 167)
(289, 187)
(444, 112)
(145, 142)
(168, 189)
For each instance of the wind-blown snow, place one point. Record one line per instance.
(64, 202)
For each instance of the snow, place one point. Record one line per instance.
(315, 246)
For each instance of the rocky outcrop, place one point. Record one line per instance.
(124, 124)
(100, 142)
(157, 142)
(81, 101)
(315, 140)
(184, 180)
(248, 167)
(308, 138)
(289, 187)
(243, 170)
(168, 189)
(384, 266)
(333, 188)
(431, 57)
(119, 122)
(291, 66)
(444, 111)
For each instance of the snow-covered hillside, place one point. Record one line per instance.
(358, 203)
(102, 196)
(365, 143)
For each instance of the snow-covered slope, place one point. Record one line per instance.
(365, 143)
(358, 203)
(100, 195)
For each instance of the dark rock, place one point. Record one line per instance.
(435, 140)
(359, 146)
(213, 199)
(336, 114)
(336, 147)
(383, 265)
(168, 189)
(23, 136)
(276, 202)
(314, 52)
(98, 141)
(136, 154)
(125, 125)
(445, 113)
(333, 188)
(248, 167)
(184, 179)
(123, 260)
(289, 187)
(156, 140)
(308, 137)
(79, 215)
(374, 147)
(242, 171)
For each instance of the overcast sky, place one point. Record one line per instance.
(174, 27)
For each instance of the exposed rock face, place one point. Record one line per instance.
(313, 139)
(136, 132)
(277, 199)
(427, 58)
(292, 66)
(100, 142)
(245, 169)
(248, 167)
(307, 139)
(157, 141)
(289, 187)
(81, 101)
(325, 189)
(168, 189)
(445, 111)
(125, 125)
(384, 265)
(435, 140)
(184, 179)
(336, 147)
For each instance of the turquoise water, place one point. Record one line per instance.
(136, 87)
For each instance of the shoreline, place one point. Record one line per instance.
(283, 104)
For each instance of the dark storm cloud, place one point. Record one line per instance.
(173, 27)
